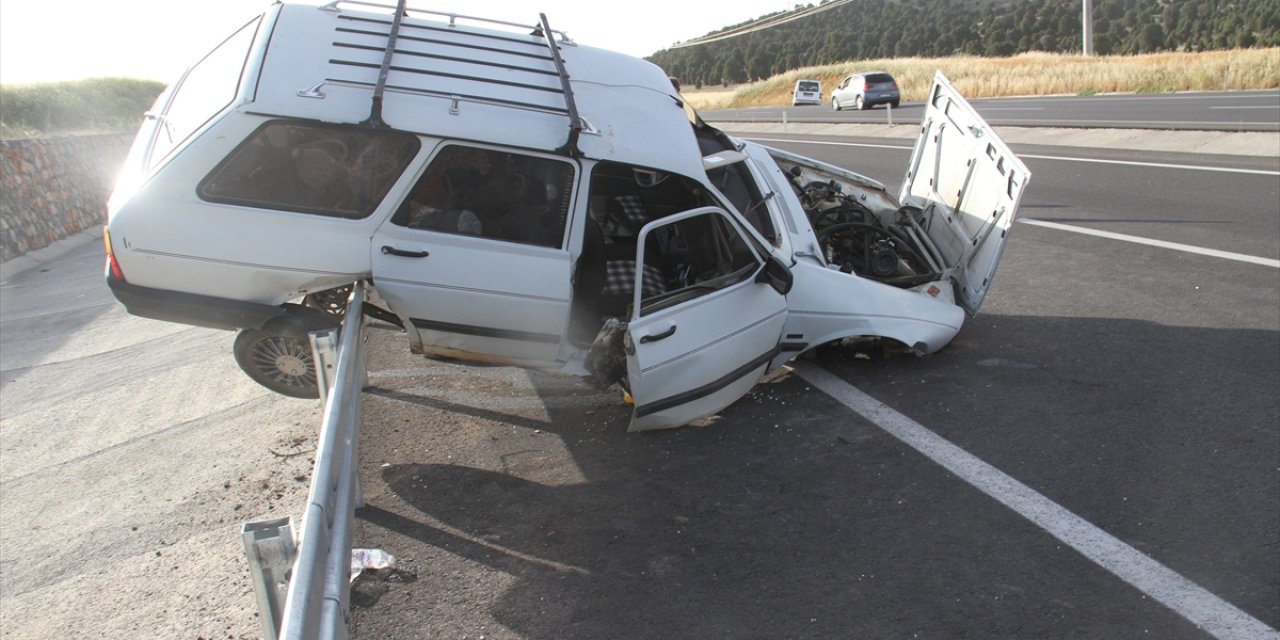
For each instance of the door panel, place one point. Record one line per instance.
(703, 343)
(475, 256)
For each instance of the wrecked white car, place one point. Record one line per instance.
(515, 197)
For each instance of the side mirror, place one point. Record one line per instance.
(776, 275)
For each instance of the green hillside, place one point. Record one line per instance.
(871, 29)
(97, 105)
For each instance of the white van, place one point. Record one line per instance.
(515, 197)
(806, 92)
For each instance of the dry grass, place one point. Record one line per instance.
(1029, 74)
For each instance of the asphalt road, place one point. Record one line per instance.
(1129, 389)
(131, 451)
(1227, 111)
(1132, 385)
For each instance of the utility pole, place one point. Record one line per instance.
(1087, 21)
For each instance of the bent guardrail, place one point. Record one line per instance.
(304, 591)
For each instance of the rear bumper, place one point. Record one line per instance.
(191, 308)
(882, 98)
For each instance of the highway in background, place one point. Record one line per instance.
(1225, 111)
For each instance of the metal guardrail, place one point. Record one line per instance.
(304, 591)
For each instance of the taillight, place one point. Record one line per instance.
(112, 264)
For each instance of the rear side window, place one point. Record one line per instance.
(492, 194)
(207, 89)
(327, 170)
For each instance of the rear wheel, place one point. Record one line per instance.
(894, 104)
(859, 104)
(278, 356)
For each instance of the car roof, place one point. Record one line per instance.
(457, 80)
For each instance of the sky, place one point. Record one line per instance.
(53, 40)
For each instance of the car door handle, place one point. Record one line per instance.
(661, 336)
(392, 251)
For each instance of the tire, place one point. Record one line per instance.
(835, 104)
(894, 104)
(278, 356)
(859, 104)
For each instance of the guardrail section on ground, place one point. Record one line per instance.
(304, 592)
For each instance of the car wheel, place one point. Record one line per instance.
(835, 104)
(894, 104)
(331, 301)
(859, 104)
(278, 356)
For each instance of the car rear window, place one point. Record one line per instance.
(877, 78)
(808, 86)
(329, 170)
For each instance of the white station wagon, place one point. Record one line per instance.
(515, 197)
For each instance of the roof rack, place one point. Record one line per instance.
(570, 147)
(375, 110)
(554, 41)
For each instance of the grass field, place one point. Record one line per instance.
(1026, 74)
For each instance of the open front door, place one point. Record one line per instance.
(968, 183)
(704, 323)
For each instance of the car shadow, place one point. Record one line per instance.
(788, 516)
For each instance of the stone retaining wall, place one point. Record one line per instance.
(52, 188)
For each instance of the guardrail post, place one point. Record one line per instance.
(324, 346)
(270, 549)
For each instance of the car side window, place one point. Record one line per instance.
(494, 194)
(693, 257)
(307, 167)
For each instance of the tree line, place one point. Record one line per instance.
(874, 29)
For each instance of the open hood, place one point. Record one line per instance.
(968, 184)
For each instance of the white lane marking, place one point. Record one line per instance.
(1125, 124)
(1239, 257)
(1159, 165)
(834, 144)
(1262, 95)
(1193, 602)
(1261, 106)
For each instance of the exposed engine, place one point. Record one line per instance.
(889, 248)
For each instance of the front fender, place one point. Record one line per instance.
(827, 305)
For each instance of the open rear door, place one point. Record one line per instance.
(968, 184)
(705, 322)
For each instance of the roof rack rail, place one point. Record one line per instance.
(453, 17)
(375, 110)
(570, 147)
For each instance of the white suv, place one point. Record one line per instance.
(514, 197)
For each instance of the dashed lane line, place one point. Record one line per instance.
(1204, 609)
(1176, 246)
